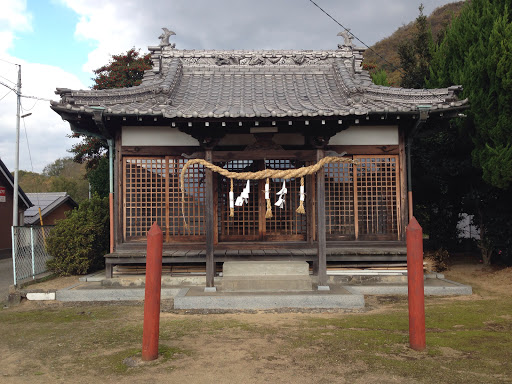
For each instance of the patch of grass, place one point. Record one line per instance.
(468, 341)
(116, 361)
(472, 340)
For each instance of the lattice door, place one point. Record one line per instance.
(377, 191)
(152, 194)
(245, 224)
(249, 222)
(194, 201)
(339, 201)
(286, 223)
(144, 195)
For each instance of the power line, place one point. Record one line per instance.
(35, 97)
(368, 47)
(7, 86)
(30, 157)
(5, 78)
(357, 38)
(5, 95)
(31, 108)
(9, 62)
(28, 146)
(25, 96)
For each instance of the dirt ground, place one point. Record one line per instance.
(240, 347)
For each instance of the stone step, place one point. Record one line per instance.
(196, 298)
(267, 283)
(265, 268)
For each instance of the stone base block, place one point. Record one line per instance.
(265, 283)
(265, 268)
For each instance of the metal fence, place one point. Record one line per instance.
(29, 254)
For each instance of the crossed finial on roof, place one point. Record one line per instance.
(347, 37)
(164, 38)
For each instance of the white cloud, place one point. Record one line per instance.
(114, 26)
(14, 17)
(45, 129)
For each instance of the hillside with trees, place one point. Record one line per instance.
(463, 165)
(63, 175)
(388, 48)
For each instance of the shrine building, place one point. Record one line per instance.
(248, 111)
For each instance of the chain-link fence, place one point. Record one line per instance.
(29, 254)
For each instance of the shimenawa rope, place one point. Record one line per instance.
(259, 175)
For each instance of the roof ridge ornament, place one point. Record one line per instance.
(164, 38)
(347, 37)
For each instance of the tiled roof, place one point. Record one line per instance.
(223, 84)
(47, 201)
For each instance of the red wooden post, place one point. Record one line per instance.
(111, 213)
(151, 327)
(416, 293)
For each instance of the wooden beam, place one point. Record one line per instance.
(310, 208)
(303, 155)
(209, 213)
(162, 151)
(364, 149)
(404, 210)
(321, 239)
(118, 190)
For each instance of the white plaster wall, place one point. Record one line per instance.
(366, 135)
(158, 136)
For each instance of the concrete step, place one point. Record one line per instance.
(265, 268)
(265, 276)
(276, 283)
(196, 298)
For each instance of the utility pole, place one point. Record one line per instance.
(17, 155)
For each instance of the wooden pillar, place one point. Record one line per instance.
(415, 285)
(152, 295)
(321, 239)
(210, 229)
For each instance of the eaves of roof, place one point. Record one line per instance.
(214, 85)
(32, 218)
(9, 177)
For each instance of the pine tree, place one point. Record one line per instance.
(415, 55)
(477, 53)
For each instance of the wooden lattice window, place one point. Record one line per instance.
(373, 213)
(194, 200)
(286, 221)
(244, 224)
(377, 190)
(152, 194)
(339, 201)
(144, 195)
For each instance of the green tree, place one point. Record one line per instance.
(79, 242)
(415, 55)
(63, 175)
(123, 70)
(476, 52)
(98, 178)
(380, 77)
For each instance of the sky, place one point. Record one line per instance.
(58, 43)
